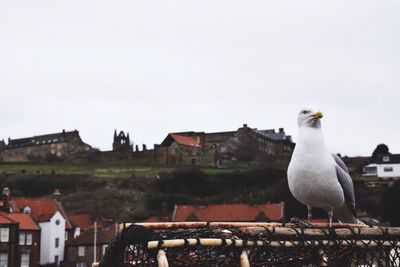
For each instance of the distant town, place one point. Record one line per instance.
(50, 217)
(211, 149)
(239, 147)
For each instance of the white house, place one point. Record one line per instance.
(386, 166)
(53, 223)
(52, 238)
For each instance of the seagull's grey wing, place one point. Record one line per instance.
(347, 185)
(340, 162)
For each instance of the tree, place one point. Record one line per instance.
(380, 149)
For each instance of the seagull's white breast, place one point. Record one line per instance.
(312, 175)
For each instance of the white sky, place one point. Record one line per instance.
(156, 66)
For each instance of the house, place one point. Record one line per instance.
(80, 252)
(8, 241)
(28, 239)
(225, 148)
(386, 167)
(49, 147)
(84, 222)
(229, 213)
(49, 215)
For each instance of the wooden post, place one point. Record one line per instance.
(162, 259)
(244, 259)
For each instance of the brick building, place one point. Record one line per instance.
(225, 148)
(50, 147)
(8, 241)
(80, 251)
(28, 239)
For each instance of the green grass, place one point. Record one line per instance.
(103, 169)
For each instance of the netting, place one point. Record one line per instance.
(253, 244)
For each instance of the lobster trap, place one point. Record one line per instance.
(252, 244)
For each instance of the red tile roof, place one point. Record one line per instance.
(83, 221)
(185, 140)
(229, 212)
(104, 236)
(25, 221)
(41, 209)
(4, 219)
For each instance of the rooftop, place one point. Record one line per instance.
(43, 139)
(42, 210)
(25, 221)
(229, 212)
(104, 236)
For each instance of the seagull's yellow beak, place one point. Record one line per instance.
(318, 115)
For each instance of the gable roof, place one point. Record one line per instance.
(180, 140)
(278, 136)
(42, 209)
(104, 236)
(44, 139)
(25, 221)
(229, 212)
(4, 219)
(388, 159)
(83, 221)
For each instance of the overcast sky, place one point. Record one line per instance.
(152, 67)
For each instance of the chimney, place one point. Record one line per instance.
(6, 197)
(144, 147)
(56, 194)
(281, 130)
(245, 125)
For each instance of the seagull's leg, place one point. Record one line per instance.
(330, 214)
(309, 214)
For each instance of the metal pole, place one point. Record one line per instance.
(95, 242)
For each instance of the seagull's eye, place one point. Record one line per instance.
(305, 111)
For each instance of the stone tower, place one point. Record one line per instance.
(122, 142)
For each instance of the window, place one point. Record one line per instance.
(81, 251)
(386, 159)
(56, 259)
(25, 260)
(57, 243)
(81, 264)
(4, 235)
(22, 239)
(28, 239)
(3, 259)
(387, 169)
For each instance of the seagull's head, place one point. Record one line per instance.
(309, 117)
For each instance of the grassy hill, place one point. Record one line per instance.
(125, 192)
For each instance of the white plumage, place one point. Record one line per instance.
(316, 177)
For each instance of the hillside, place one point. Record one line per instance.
(128, 193)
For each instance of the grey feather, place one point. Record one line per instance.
(347, 185)
(340, 162)
(346, 213)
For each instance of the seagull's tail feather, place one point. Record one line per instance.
(345, 214)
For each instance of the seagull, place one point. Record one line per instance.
(317, 178)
